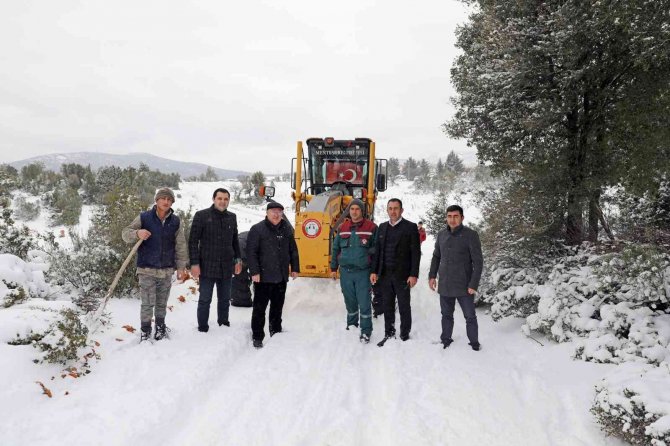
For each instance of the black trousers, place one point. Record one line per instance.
(467, 303)
(274, 293)
(392, 288)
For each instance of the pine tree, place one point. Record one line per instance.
(454, 163)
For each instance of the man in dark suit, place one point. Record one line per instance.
(214, 249)
(395, 267)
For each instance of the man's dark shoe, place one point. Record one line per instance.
(447, 343)
(226, 323)
(476, 346)
(161, 332)
(203, 329)
(274, 332)
(390, 334)
(404, 336)
(145, 335)
(258, 343)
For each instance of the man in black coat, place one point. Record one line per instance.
(271, 249)
(395, 267)
(459, 262)
(214, 250)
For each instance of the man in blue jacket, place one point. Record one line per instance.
(163, 250)
(458, 260)
(352, 252)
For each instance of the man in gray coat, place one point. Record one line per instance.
(458, 261)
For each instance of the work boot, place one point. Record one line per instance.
(404, 336)
(365, 339)
(161, 332)
(258, 343)
(145, 334)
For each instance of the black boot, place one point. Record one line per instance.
(161, 331)
(258, 343)
(145, 334)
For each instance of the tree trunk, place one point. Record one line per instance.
(594, 215)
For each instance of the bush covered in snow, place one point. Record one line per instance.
(612, 301)
(61, 341)
(25, 210)
(14, 239)
(633, 403)
(15, 294)
(85, 271)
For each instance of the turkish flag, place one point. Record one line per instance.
(344, 171)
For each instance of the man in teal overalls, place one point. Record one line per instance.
(352, 252)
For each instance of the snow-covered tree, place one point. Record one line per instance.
(574, 90)
(454, 163)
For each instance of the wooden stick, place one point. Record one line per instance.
(115, 282)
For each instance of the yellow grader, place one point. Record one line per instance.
(324, 183)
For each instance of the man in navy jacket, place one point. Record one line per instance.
(163, 250)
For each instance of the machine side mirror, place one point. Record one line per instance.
(267, 191)
(381, 182)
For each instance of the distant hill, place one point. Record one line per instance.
(96, 160)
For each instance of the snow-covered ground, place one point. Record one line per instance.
(313, 384)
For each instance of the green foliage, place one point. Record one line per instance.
(185, 220)
(61, 342)
(141, 182)
(86, 271)
(14, 240)
(208, 175)
(15, 296)
(393, 167)
(64, 338)
(67, 204)
(436, 216)
(454, 163)
(25, 210)
(410, 168)
(9, 180)
(35, 179)
(568, 90)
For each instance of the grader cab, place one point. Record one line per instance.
(324, 183)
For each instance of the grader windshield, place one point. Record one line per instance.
(341, 164)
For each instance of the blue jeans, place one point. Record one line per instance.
(223, 287)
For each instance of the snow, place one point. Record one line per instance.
(313, 384)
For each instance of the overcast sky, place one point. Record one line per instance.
(231, 84)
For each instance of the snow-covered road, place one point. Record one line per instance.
(313, 384)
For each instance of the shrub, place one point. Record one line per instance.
(61, 341)
(14, 240)
(16, 294)
(25, 210)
